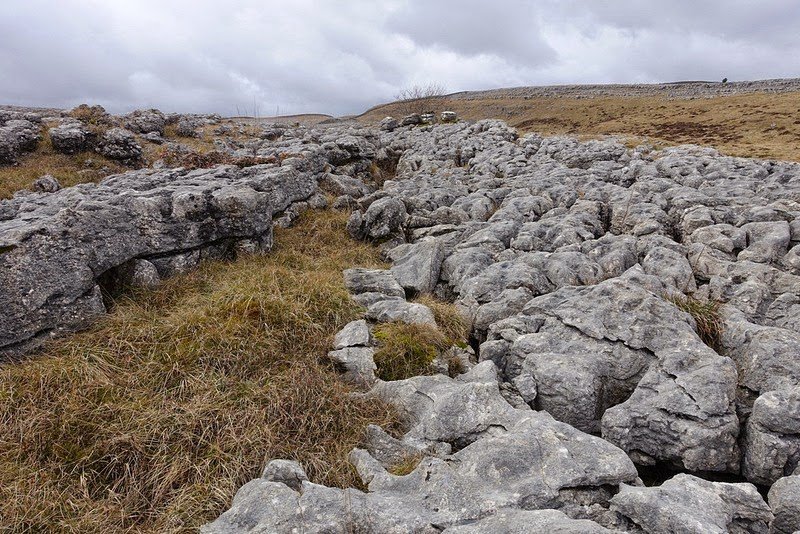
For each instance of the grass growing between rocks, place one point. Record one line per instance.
(67, 169)
(153, 419)
(408, 350)
(705, 315)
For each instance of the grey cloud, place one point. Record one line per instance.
(508, 28)
(311, 56)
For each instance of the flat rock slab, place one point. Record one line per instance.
(57, 249)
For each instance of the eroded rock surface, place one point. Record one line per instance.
(575, 262)
(571, 259)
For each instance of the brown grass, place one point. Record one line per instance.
(452, 323)
(753, 125)
(152, 420)
(706, 316)
(406, 465)
(68, 170)
(407, 350)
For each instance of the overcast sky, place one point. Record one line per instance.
(343, 56)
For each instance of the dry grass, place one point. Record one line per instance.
(451, 322)
(68, 170)
(154, 418)
(406, 465)
(408, 350)
(706, 316)
(753, 125)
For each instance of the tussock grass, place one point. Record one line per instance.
(450, 320)
(152, 420)
(407, 350)
(705, 315)
(406, 465)
(67, 169)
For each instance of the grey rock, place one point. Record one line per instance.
(264, 506)
(416, 266)
(389, 124)
(67, 242)
(46, 184)
(768, 358)
(395, 310)
(671, 267)
(356, 364)
(515, 521)
(354, 334)
(153, 137)
(119, 144)
(372, 285)
(71, 138)
(17, 136)
(682, 409)
(384, 217)
(411, 120)
(784, 500)
(187, 126)
(695, 506)
(344, 185)
(285, 472)
(146, 121)
(767, 241)
(772, 437)
(449, 116)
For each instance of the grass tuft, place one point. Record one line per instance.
(406, 465)
(407, 350)
(453, 324)
(151, 420)
(706, 316)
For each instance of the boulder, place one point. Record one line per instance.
(383, 218)
(46, 184)
(389, 124)
(449, 116)
(146, 121)
(416, 266)
(411, 120)
(772, 437)
(784, 499)
(57, 250)
(119, 144)
(689, 504)
(71, 138)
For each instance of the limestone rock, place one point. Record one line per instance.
(784, 499)
(119, 144)
(689, 504)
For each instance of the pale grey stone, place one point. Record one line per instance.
(692, 505)
(354, 334)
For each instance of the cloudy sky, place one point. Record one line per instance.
(343, 56)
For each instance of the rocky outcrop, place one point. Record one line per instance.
(586, 270)
(120, 144)
(689, 504)
(145, 121)
(629, 307)
(60, 251)
(71, 137)
(17, 136)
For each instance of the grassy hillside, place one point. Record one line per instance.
(753, 125)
